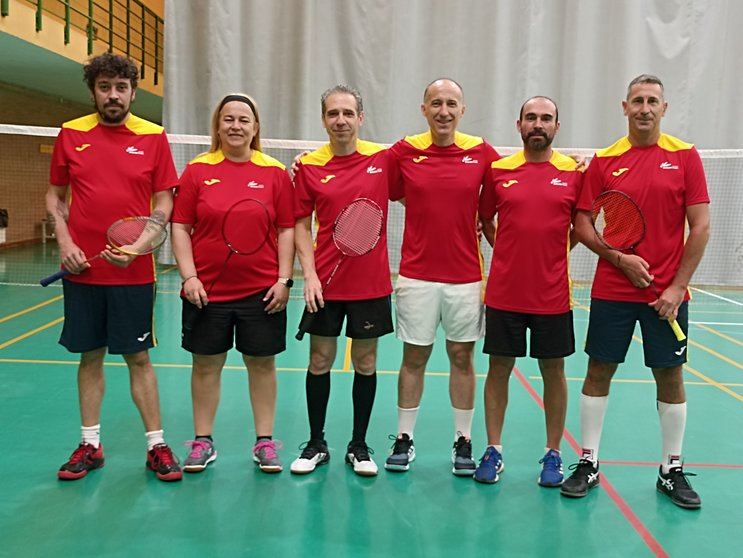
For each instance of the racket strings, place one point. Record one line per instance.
(358, 228)
(141, 234)
(246, 227)
(618, 221)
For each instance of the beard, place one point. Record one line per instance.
(113, 118)
(537, 141)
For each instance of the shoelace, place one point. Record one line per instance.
(679, 478)
(463, 448)
(361, 452)
(584, 468)
(268, 447)
(309, 450)
(402, 444)
(163, 455)
(550, 461)
(197, 448)
(491, 455)
(81, 453)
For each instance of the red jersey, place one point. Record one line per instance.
(535, 203)
(326, 183)
(663, 179)
(209, 186)
(112, 172)
(441, 187)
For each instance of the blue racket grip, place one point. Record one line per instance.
(46, 281)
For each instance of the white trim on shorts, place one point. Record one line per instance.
(420, 306)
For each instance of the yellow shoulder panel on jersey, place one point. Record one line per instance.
(464, 141)
(209, 158)
(142, 127)
(319, 157)
(420, 141)
(82, 124)
(562, 162)
(368, 148)
(262, 160)
(670, 143)
(621, 146)
(511, 162)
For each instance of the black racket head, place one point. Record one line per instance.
(246, 226)
(358, 227)
(617, 220)
(136, 236)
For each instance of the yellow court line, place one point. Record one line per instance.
(628, 381)
(714, 383)
(31, 309)
(718, 355)
(715, 332)
(347, 356)
(30, 333)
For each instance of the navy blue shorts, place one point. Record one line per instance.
(365, 319)
(243, 323)
(612, 324)
(119, 317)
(552, 335)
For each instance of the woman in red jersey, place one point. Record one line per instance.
(240, 296)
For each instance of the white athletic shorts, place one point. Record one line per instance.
(421, 305)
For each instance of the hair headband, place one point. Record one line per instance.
(239, 98)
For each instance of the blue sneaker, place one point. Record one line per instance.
(490, 465)
(551, 474)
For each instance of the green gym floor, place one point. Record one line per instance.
(232, 509)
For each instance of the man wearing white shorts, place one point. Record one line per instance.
(441, 172)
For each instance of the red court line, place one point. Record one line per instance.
(627, 512)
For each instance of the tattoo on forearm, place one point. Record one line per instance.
(159, 216)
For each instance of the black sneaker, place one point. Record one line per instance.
(357, 455)
(585, 476)
(85, 458)
(461, 457)
(315, 453)
(403, 453)
(676, 486)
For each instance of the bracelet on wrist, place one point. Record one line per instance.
(187, 279)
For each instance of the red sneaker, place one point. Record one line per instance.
(85, 458)
(161, 460)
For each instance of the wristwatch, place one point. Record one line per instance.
(287, 281)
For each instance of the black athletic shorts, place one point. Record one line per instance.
(365, 319)
(552, 335)
(119, 317)
(612, 324)
(243, 323)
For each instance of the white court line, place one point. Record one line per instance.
(717, 296)
(717, 323)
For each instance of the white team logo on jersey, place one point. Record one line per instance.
(371, 169)
(665, 165)
(134, 151)
(254, 184)
(467, 160)
(558, 182)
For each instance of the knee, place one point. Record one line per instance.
(137, 360)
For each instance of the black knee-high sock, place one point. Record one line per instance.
(364, 390)
(317, 387)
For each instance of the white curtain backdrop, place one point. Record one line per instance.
(582, 53)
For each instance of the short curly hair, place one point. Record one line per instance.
(110, 65)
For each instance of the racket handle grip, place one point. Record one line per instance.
(305, 324)
(677, 331)
(46, 281)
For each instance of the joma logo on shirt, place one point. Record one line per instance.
(510, 183)
(327, 178)
(82, 147)
(212, 181)
(419, 159)
(619, 172)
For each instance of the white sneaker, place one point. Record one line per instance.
(357, 455)
(315, 453)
